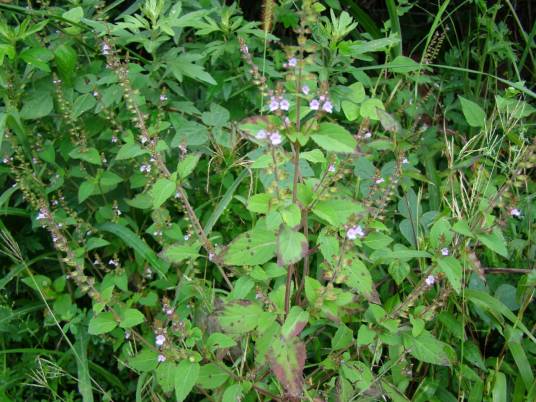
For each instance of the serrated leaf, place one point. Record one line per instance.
(211, 376)
(452, 269)
(240, 317)
(295, 322)
(260, 203)
(102, 324)
(377, 240)
(186, 376)
(86, 189)
(291, 246)
(129, 151)
(494, 241)
(131, 317)
(337, 212)
(90, 155)
(187, 165)
(162, 190)
(369, 108)
(179, 252)
(342, 338)
(334, 138)
(254, 247)
(427, 348)
(287, 359)
(359, 278)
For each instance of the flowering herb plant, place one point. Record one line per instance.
(320, 226)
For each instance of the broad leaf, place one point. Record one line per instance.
(334, 138)
(291, 246)
(251, 248)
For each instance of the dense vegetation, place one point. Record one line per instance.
(299, 201)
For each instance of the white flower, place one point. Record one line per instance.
(305, 90)
(405, 161)
(114, 139)
(160, 340)
(163, 98)
(169, 311)
(105, 49)
(515, 212)
(113, 262)
(41, 215)
(368, 134)
(283, 104)
(177, 194)
(144, 139)
(186, 237)
(380, 180)
(444, 251)
(314, 104)
(161, 358)
(261, 135)
(275, 138)
(95, 94)
(354, 232)
(327, 107)
(211, 256)
(430, 280)
(127, 334)
(145, 168)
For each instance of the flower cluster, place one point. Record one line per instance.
(278, 103)
(322, 103)
(274, 137)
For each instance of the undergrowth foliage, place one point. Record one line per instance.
(196, 207)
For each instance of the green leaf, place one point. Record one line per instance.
(520, 357)
(233, 393)
(474, 114)
(90, 155)
(86, 189)
(217, 117)
(109, 179)
(368, 108)
(162, 190)
(337, 212)
(186, 376)
(494, 241)
(291, 215)
(144, 361)
(358, 277)
(291, 246)
(37, 57)
(131, 317)
(365, 336)
(218, 340)
(314, 156)
(427, 348)
(403, 65)
(211, 376)
(260, 203)
(74, 14)
(453, 270)
(82, 104)
(137, 244)
(342, 338)
(102, 323)
(350, 104)
(37, 106)
(178, 252)
(295, 322)
(500, 388)
(440, 233)
(240, 317)
(129, 151)
(334, 138)
(377, 240)
(165, 375)
(66, 58)
(254, 247)
(183, 65)
(187, 165)
(6, 50)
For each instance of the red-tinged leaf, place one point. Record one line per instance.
(287, 359)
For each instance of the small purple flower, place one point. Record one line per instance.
(515, 212)
(292, 62)
(274, 104)
(283, 104)
(275, 138)
(211, 256)
(114, 139)
(145, 168)
(354, 232)
(160, 340)
(42, 215)
(127, 334)
(430, 280)
(380, 180)
(113, 262)
(327, 107)
(444, 251)
(305, 90)
(261, 135)
(314, 104)
(163, 98)
(161, 358)
(367, 135)
(332, 168)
